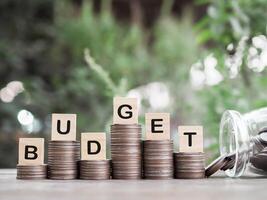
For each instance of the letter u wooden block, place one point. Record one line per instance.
(64, 127)
(31, 151)
(93, 146)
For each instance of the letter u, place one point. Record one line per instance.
(59, 129)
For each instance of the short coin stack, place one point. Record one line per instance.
(62, 159)
(31, 172)
(189, 165)
(94, 169)
(223, 162)
(158, 159)
(126, 151)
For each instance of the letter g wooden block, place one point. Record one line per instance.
(64, 127)
(31, 151)
(125, 110)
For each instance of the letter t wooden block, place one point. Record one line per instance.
(190, 138)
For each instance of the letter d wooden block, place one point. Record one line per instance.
(64, 127)
(31, 151)
(125, 110)
(190, 138)
(93, 146)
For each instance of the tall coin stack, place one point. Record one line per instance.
(31, 172)
(158, 159)
(94, 169)
(189, 165)
(126, 151)
(63, 159)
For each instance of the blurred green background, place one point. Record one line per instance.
(193, 59)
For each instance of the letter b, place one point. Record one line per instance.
(30, 152)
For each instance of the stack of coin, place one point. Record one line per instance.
(223, 162)
(126, 151)
(259, 142)
(31, 172)
(259, 157)
(63, 157)
(94, 169)
(158, 159)
(189, 165)
(260, 160)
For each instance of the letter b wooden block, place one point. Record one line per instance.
(93, 146)
(64, 127)
(31, 151)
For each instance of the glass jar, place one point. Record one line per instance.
(239, 136)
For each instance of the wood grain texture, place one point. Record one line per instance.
(219, 187)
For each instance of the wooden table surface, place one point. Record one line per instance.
(218, 187)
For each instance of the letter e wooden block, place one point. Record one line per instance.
(31, 151)
(157, 126)
(125, 110)
(64, 127)
(93, 146)
(190, 138)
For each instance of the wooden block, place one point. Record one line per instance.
(157, 126)
(93, 146)
(125, 110)
(31, 151)
(64, 127)
(190, 138)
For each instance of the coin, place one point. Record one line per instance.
(263, 130)
(263, 137)
(216, 165)
(94, 169)
(63, 159)
(158, 159)
(189, 165)
(126, 151)
(264, 150)
(229, 165)
(259, 161)
(190, 174)
(31, 172)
